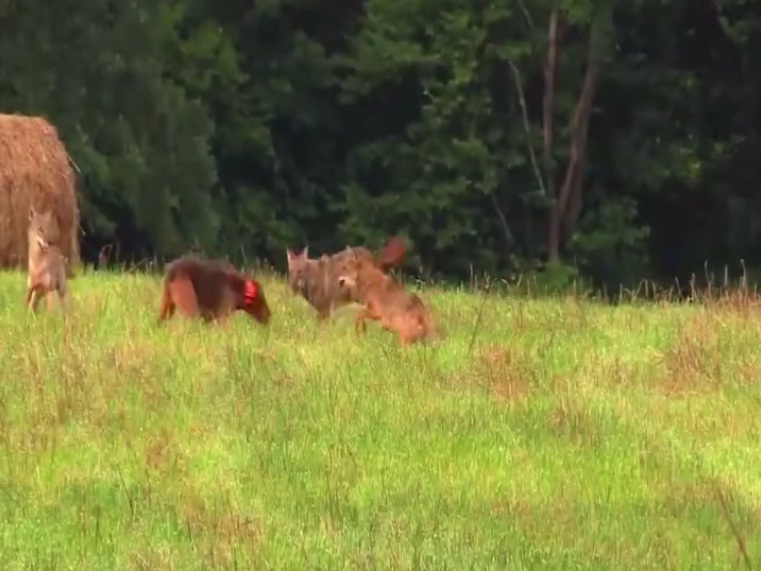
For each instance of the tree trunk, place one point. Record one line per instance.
(575, 203)
(548, 104)
(572, 183)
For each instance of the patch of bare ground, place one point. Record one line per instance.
(505, 373)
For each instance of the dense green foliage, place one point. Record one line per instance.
(248, 127)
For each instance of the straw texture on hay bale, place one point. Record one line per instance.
(35, 171)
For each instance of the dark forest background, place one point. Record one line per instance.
(612, 140)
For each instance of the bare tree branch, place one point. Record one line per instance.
(503, 220)
(526, 14)
(527, 126)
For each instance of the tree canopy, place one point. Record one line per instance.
(620, 140)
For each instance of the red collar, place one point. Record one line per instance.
(250, 291)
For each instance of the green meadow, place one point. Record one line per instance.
(555, 434)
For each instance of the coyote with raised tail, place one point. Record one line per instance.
(316, 280)
(385, 300)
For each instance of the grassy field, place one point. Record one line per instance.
(555, 435)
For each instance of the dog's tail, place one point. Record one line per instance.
(167, 305)
(393, 253)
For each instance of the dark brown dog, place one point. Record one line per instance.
(385, 300)
(211, 290)
(316, 280)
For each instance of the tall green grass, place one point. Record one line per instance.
(546, 434)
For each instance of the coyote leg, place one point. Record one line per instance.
(37, 295)
(29, 293)
(359, 324)
(63, 297)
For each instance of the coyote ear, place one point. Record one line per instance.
(305, 252)
(289, 253)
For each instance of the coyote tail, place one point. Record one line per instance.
(392, 254)
(166, 302)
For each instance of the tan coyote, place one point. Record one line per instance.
(385, 300)
(316, 280)
(47, 265)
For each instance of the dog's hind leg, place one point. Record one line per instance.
(167, 305)
(183, 296)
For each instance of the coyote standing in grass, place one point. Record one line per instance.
(316, 280)
(47, 265)
(385, 300)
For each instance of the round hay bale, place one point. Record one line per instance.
(35, 171)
